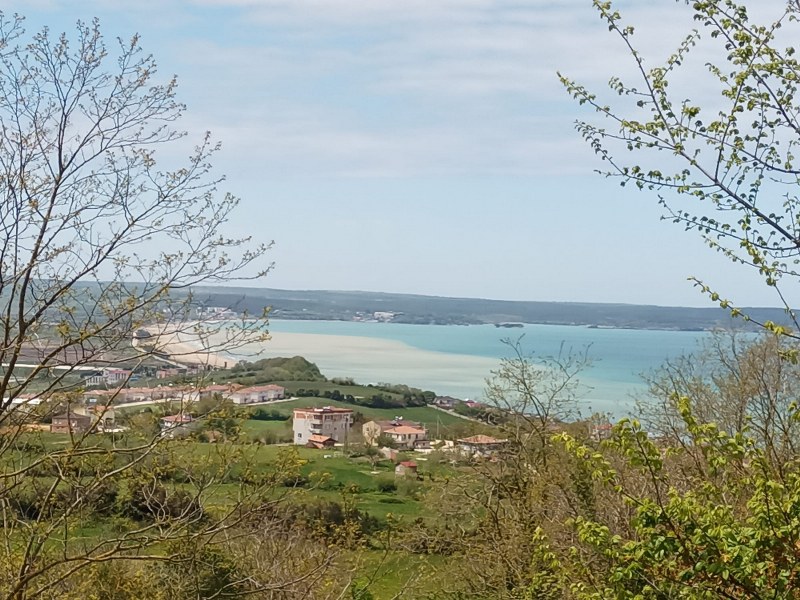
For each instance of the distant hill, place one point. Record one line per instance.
(410, 308)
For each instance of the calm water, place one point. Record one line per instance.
(619, 356)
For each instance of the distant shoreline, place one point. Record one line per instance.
(413, 309)
(504, 325)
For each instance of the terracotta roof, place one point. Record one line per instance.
(222, 387)
(410, 464)
(405, 429)
(320, 439)
(481, 439)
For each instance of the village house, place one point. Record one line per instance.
(327, 421)
(167, 372)
(258, 393)
(372, 430)
(223, 389)
(102, 416)
(113, 376)
(408, 437)
(106, 377)
(176, 425)
(24, 401)
(70, 422)
(91, 378)
(446, 402)
(406, 468)
(480, 445)
(320, 441)
(128, 395)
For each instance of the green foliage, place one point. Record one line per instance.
(725, 523)
(726, 168)
(269, 370)
(387, 485)
(263, 414)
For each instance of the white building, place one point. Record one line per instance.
(176, 425)
(408, 436)
(326, 421)
(257, 393)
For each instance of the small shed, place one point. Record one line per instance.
(320, 441)
(405, 468)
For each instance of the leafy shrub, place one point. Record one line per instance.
(386, 485)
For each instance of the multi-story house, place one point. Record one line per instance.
(70, 422)
(326, 421)
(404, 434)
(408, 437)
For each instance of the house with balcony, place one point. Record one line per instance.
(372, 430)
(408, 437)
(404, 434)
(328, 421)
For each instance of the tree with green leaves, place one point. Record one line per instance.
(716, 140)
(709, 510)
(104, 231)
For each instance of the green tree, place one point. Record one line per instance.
(738, 382)
(723, 163)
(711, 511)
(99, 237)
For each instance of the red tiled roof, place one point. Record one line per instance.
(319, 439)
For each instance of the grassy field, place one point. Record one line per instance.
(327, 476)
(359, 391)
(426, 415)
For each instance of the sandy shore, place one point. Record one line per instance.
(186, 347)
(374, 360)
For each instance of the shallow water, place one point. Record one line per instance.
(456, 360)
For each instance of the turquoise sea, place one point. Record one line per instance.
(609, 384)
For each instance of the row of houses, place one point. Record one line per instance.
(404, 434)
(324, 427)
(328, 425)
(81, 419)
(237, 394)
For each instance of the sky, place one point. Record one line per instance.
(421, 146)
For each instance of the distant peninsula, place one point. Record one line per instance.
(437, 310)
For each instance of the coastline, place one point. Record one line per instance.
(453, 361)
(186, 347)
(376, 360)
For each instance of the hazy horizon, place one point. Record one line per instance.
(422, 147)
